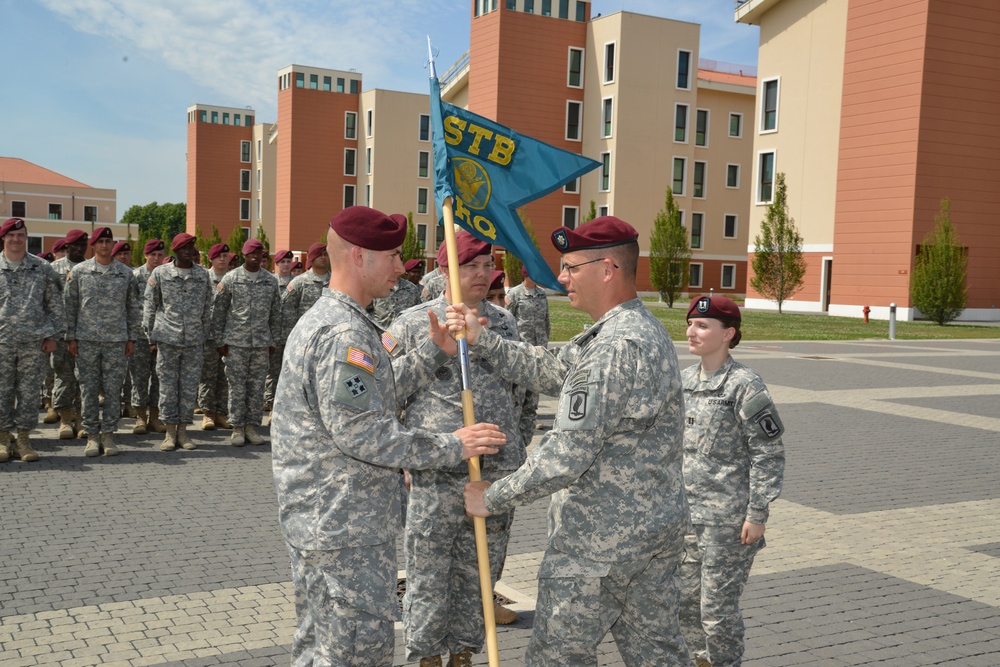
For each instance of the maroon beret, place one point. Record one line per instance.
(603, 232)
(217, 250)
(58, 245)
(524, 272)
(152, 245)
(11, 223)
(315, 250)
(251, 245)
(369, 228)
(75, 235)
(48, 256)
(714, 307)
(468, 246)
(411, 264)
(181, 240)
(282, 254)
(496, 280)
(121, 246)
(296, 265)
(101, 233)
(168, 259)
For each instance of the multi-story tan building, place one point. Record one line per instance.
(52, 204)
(875, 111)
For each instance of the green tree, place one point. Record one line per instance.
(592, 213)
(235, 242)
(411, 244)
(156, 221)
(778, 264)
(669, 252)
(512, 263)
(262, 237)
(937, 287)
(205, 244)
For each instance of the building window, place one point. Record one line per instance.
(244, 209)
(680, 217)
(348, 196)
(244, 151)
(573, 187)
(574, 78)
(769, 106)
(368, 195)
(529, 6)
(602, 211)
(694, 275)
(680, 166)
(609, 62)
(607, 116)
(259, 151)
(438, 235)
(258, 208)
(581, 11)
(300, 80)
(258, 180)
(314, 81)
(697, 222)
(546, 7)
(422, 235)
(728, 276)
(215, 116)
(564, 9)
(424, 133)
(422, 200)
(605, 172)
(699, 180)
(736, 125)
(701, 127)
(18, 209)
(340, 84)
(55, 211)
(204, 116)
(355, 86)
(571, 216)
(765, 177)
(327, 83)
(512, 4)
(732, 175)
(244, 180)
(423, 164)
(35, 245)
(350, 162)
(236, 119)
(225, 118)
(369, 121)
(684, 70)
(246, 232)
(729, 226)
(681, 123)
(574, 111)
(368, 161)
(350, 125)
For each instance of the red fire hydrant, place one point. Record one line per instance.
(866, 310)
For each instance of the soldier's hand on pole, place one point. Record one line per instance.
(71, 348)
(480, 439)
(440, 335)
(474, 499)
(49, 345)
(129, 348)
(460, 316)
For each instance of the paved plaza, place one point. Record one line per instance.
(884, 548)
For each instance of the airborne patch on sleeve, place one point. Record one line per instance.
(759, 410)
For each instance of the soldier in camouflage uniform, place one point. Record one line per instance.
(246, 321)
(337, 446)
(442, 610)
(305, 290)
(283, 263)
(734, 462)
(103, 320)
(432, 285)
(31, 319)
(65, 388)
(612, 462)
(142, 365)
(177, 314)
(213, 391)
(528, 303)
(404, 295)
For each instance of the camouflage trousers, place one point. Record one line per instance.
(246, 368)
(142, 371)
(65, 388)
(179, 370)
(529, 412)
(273, 372)
(579, 601)
(100, 367)
(22, 374)
(345, 606)
(443, 609)
(213, 392)
(714, 572)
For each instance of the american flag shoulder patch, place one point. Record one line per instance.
(360, 359)
(388, 342)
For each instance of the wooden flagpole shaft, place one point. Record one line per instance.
(469, 418)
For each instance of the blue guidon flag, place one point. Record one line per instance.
(489, 171)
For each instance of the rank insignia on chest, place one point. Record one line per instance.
(360, 359)
(388, 342)
(356, 386)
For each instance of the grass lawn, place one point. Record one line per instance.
(757, 325)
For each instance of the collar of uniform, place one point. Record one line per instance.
(347, 301)
(711, 384)
(631, 304)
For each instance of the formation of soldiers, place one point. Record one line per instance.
(93, 339)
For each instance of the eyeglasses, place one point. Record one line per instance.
(571, 269)
(478, 266)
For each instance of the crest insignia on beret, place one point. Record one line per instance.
(560, 238)
(704, 303)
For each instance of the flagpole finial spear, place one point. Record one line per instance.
(430, 58)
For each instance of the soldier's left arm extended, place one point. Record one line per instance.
(55, 308)
(150, 302)
(762, 429)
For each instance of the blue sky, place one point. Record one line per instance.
(98, 90)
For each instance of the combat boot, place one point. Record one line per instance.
(433, 661)
(108, 443)
(4, 446)
(463, 659)
(208, 421)
(169, 443)
(504, 616)
(141, 419)
(701, 662)
(67, 426)
(183, 439)
(78, 424)
(252, 436)
(93, 447)
(22, 448)
(154, 421)
(51, 416)
(221, 421)
(237, 438)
